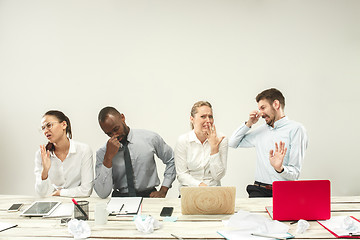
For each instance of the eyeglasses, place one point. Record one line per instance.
(47, 126)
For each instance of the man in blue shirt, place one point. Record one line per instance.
(112, 168)
(280, 143)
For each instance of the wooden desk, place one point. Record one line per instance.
(189, 227)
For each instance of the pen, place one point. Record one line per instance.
(268, 236)
(81, 210)
(121, 208)
(176, 236)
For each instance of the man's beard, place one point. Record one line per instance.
(272, 120)
(124, 137)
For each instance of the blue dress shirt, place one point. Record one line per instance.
(264, 138)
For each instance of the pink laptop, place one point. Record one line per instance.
(295, 200)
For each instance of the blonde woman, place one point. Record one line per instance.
(201, 154)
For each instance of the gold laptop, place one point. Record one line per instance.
(207, 200)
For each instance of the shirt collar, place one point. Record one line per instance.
(72, 148)
(281, 122)
(193, 137)
(130, 136)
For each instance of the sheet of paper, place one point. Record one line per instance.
(240, 234)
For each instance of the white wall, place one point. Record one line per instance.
(153, 59)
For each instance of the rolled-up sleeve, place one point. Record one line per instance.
(166, 154)
(103, 183)
(42, 187)
(298, 145)
(240, 139)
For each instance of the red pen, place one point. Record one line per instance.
(81, 210)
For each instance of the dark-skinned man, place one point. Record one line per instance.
(126, 164)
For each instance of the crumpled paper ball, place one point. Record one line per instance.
(350, 225)
(79, 229)
(302, 226)
(147, 225)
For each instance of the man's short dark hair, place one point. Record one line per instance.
(271, 95)
(106, 111)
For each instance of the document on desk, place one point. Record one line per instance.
(241, 234)
(4, 226)
(124, 206)
(342, 226)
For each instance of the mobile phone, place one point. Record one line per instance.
(64, 221)
(166, 211)
(15, 207)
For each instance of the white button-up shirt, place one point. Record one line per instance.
(74, 176)
(194, 164)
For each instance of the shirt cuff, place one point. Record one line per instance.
(43, 186)
(214, 156)
(105, 173)
(167, 182)
(64, 192)
(195, 183)
(284, 172)
(43, 181)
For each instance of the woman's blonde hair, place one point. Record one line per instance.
(195, 107)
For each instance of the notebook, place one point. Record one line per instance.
(295, 200)
(207, 200)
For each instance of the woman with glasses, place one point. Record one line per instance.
(201, 154)
(63, 167)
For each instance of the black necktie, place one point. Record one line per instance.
(129, 171)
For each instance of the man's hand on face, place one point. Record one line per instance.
(112, 147)
(253, 118)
